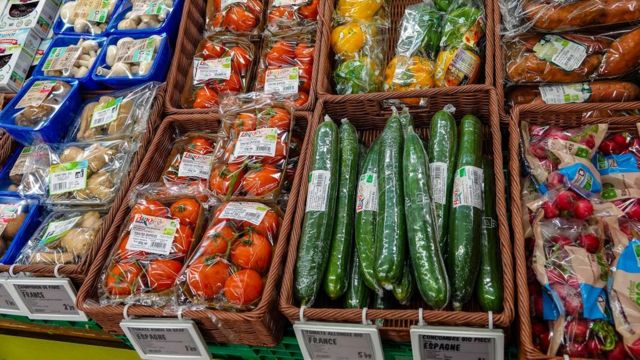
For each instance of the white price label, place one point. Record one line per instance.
(156, 339)
(289, 2)
(338, 341)
(318, 190)
(261, 142)
(282, 81)
(225, 3)
(136, 51)
(214, 69)
(152, 234)
(67, 177)
(244, 211)
(46, 298)
(36, 94)
(62, 58)
(7, 304)
(438, 176)
(467, 187)
(195, 165)
(367, 197)
(456, 343)
(566, 54)
(565, 93)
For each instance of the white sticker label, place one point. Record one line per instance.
(68, 177)
(166, 339)
(289, 2)
(136, 51)
(147, 7)
(464, 62)
(450, 343)
(225, 3)
(338, 341)
(438, 175)
(467, 187)
(195, 165)
(367, 198)
(18, 166)
(565, 94)
(566, 54)
(152, 234)
(244, 211)
(36, 94)
(57, 229)
(46, 298)
(318, 190)
(282, 81)
(261, 142)
(62, 58)
(214, 69)
(92, 10)
(105, 113)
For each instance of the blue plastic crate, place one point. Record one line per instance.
(169, 26)
(31, 222)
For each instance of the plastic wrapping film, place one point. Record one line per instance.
(235, 16)
(85, 16)
(131, 58)
(358, 40)
(283, 15)
(555, 156)
(163, 228)
(13, 213)
(64, 237)
(228, 269)
(255, 137)
(286, 65)
(40, 102)
(119, 114)
(191, 160)
(143, 15)
(77, 173)
(583, 92)
(222, 64)
(519, 16)
(74, 60)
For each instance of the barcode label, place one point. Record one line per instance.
(438, 175)
(105, 113)
(214, 69)
(68, 177)
(244, 211)
(565, 93)
(367, 198)
(152, 234)
(57, 229)
(282, 81)
(467, 187)
(261, 142)
(566, 54)
(136, 51)
(62, 58)
(318, 190)
(195, 165)
(464, 62)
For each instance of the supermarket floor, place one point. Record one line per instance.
(26, 348)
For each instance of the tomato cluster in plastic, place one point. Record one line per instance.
(298, 13)
(200, 149)
(227, 269)
(252, 176)
(237, 17)
(287, 51)
(137, 276)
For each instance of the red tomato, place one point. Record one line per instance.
(310, 12)
(162, 273)
(243, 287)
(261, 181)
(243, 122)
(205, 98)
(206, 276)
(182, 241)
(233, 84)
(187, 210)
(213, 51)
(217, 239)
(200, 145)
(267, 227)
(277, 117)
(149, 208)
(124, 279)
(239, 19)
(124, 253)
(305, 73)
(304, 53)
(302, 99)
(281, 15)
(225, 179)
(282, 53)
(240, 61)
(252, 251)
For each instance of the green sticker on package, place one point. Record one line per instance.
(105, 113)
(66, 177)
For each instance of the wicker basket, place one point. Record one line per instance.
(568, 115)
(77, 272)
(396, 11)
(190, 35)
(262, 326)
(368, 114)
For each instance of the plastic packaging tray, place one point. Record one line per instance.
(169, 26)
(29, 225)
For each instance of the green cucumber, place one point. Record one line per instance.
(403, 291)
(465, 219)
(390, 225)
(489, 284)
(424, 250)
(365, 224)
(442, 161)
(335, 281)
(315, 238)
(357, 295)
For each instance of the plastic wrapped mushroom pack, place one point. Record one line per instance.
(130, 57)
(143, 14)
(86, 16)
(40, 102)
(74, 60)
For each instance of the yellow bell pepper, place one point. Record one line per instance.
(413, 73)
(358, 9)
(347, 39)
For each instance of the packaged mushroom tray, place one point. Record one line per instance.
(18, 218)
(133, 60)
(84, 17)
(69, 174)
(64, 237)
(71, 57)
(146, 16)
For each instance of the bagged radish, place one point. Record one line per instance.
(588, 339)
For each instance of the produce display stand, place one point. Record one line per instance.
(66, 329)
(368, 114)
(568, 115)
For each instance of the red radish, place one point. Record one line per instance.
(570, 297)
(538, 151)
(593, 348)
(547, 165)
(536, 130)
(626, 229)
(633, 212)
(537, 305)
(573, 282)
(583, 209)
(565, 201)
(619, 139)
(619, 353)
(555, 276)
(633, 349)
(556, 133)
(607, 147)
(576, 330)
(550, 211)
(555, 179)
(561, 240)
(577, 350)
(589, 242)
(544, 341)
(589, 141)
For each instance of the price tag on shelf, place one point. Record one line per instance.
(160, 339)
(456, 343)
(46, 298)
(7, 304)
(338, 341)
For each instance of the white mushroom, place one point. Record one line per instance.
(112, 51)
(66, 12)
(145, 66)
(90, 46)
(126, 24)
(120, 69)
(124, 40)
(135, 69)
(151, 24)
(80, 71)
(81, 26)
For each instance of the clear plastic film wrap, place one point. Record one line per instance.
(191, 160)
(235, 16)
(555, 156)
(255, 137)
(364, 10)
(228, 270)
(77, 173)
(222, 64)
(162, 230)
(86, 16)
(119, 114)
(74, 60)
(64, 237)
(283, 15)
(286, 65)
(571, 57)
(418, 44)
(583, 92)
(41, 101)
(143, 15)
(617, 161)
(131, 58)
